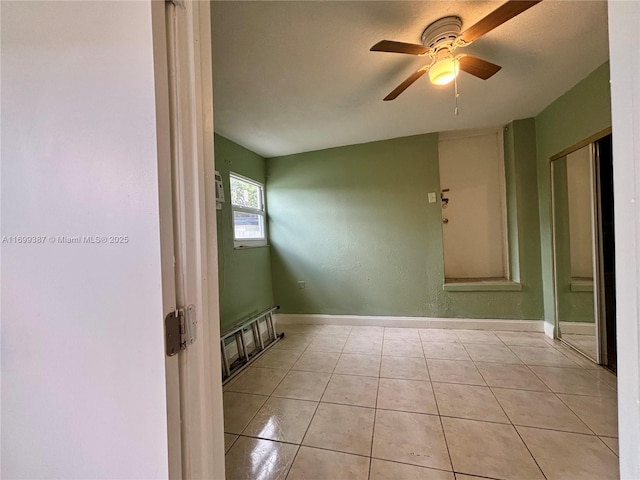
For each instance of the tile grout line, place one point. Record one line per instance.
(605, 444)
(505, 413)
(543, 365)
(419, 413)
(375, 411)
(238, 435)
(359, 455)
(435, 399)
(315, 412)
(575, 413)
(379, 377)
(310, 421)
(549, 386)
(269, 397)
(440, 416)
(550, 390)
(555, 394)
(528, 450)
(232, 443)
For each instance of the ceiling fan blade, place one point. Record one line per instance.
(496, 18)
(404, 85)
(478, 67)
(399, 47)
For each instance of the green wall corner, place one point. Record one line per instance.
(244, 275)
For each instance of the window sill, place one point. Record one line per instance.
(482, 286)
(249, 247)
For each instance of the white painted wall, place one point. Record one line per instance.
(472, 168)
(83, 381)
(624, 47)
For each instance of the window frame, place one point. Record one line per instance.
(240, 243)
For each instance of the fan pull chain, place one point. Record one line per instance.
(456, 94)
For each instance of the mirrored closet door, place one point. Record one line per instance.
(582, 199)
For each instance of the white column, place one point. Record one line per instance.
(624, 47)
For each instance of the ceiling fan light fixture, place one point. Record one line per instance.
(444, 71)
(443, 37)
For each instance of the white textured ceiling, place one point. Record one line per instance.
(291, 77)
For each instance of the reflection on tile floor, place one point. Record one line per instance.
(584, 343)
(372, 403)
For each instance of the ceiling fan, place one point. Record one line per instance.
(440, 40)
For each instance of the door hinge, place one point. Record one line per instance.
(180, 329)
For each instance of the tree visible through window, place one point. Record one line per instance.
(247, 202)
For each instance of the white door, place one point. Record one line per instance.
(473, 205)
(189, 272)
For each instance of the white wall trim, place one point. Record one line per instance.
(549, 329)
(624, 48)
(412, 322)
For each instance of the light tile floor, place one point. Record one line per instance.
(340, 402)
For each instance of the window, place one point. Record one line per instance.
(247, 204)
(472, 178)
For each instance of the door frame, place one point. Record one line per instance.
(624, 41)
(596, 253)
(624, 48)
(188, 233)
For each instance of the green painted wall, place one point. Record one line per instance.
(354, 224)
(244, 275)
(581, 112)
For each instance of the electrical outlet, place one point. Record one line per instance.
(301, 285)
(432, 197)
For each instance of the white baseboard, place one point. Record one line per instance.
(412, 322)
(578, 328)
(549, 330)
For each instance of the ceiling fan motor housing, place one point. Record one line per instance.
(442, 33)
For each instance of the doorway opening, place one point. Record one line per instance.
(584, 249)
(606, 242)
